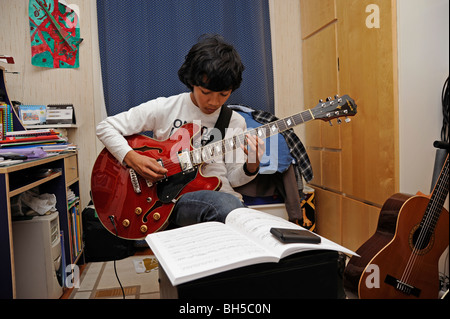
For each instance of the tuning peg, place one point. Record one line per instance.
(347, 119)
(320, 101)
(329, 98)
(339, 121)
(336, 96)
(331, 124)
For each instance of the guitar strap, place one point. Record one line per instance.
(221, 124)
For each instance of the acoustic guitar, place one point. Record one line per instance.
(131, 207)
(400, 261)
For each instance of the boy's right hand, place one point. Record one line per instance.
(145, 166)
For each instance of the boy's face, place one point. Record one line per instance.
(209, 101)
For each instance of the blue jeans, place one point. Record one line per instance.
(203, 206)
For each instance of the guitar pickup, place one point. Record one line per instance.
(185, 160)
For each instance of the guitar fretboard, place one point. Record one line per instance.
(218, 149)
(340, 106)
(437, 200)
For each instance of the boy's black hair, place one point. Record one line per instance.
(213, 64)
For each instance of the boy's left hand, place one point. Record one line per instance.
(254, 149)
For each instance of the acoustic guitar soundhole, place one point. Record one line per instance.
(420, 241)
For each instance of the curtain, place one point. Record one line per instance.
(143, 44)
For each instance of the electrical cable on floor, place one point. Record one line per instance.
(111, 218)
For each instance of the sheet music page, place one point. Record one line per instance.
(199, 250)
(256, 225)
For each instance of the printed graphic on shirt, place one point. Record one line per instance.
(204, 134)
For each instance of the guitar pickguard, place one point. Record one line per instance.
(169, 189)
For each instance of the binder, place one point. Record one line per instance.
(60, 114)
(7, 117)
(2, 132)
(5, 110)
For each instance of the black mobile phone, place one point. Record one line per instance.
(286, 235)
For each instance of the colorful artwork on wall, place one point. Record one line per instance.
(55, 34)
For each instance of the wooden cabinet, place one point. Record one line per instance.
(359, 220)
(315, 14)
(71, 169)
(328, 211)
(368, 72)
(61, 178)
(349, 47)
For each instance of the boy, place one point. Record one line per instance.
(212, 70)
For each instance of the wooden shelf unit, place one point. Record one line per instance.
(19, 178)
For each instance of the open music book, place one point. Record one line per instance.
(204, 249)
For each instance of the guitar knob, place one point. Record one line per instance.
(126, 223)
(143, 229)
(138, 210)
(156, 216)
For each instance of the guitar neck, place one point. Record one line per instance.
(331, 109)
(218, 149)
(437, 199)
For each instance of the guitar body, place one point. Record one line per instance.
(137, 214)
(387, 224)
(407, 267)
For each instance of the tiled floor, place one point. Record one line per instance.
(98, 280)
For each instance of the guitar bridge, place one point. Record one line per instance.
(402, 286)
(134, 181)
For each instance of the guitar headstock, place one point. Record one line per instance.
(341, 106)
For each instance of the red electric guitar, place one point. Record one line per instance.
(131, 207)
(400, 261)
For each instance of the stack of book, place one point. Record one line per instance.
(30, 137)
(31, 144)
(72, 199)
(75, 237)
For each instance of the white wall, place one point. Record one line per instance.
(423, 62)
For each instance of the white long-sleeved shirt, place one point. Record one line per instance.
(163, 116)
